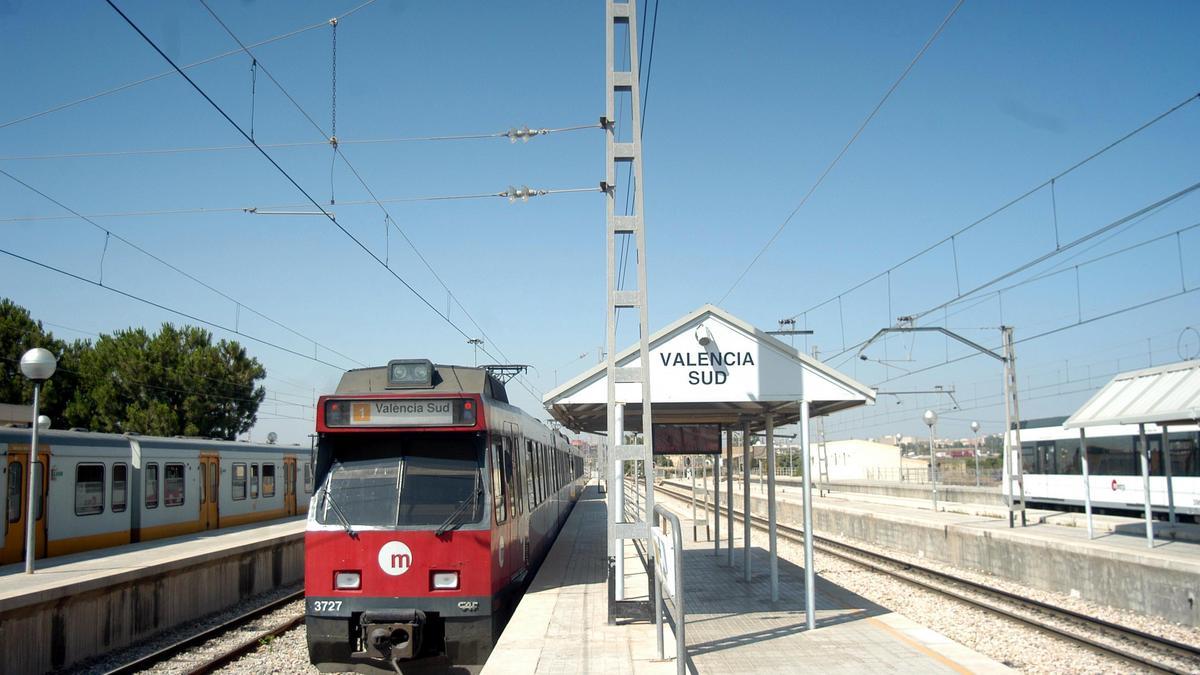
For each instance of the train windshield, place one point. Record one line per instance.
(402, 481)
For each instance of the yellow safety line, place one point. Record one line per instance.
(920, 647)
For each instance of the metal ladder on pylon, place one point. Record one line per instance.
(822, 456)
(822, 459)
(628, 150)
(1013, 470)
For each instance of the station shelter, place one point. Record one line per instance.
(1155, 399)
(712, 373)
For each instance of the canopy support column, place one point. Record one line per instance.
(810, 577)
(1144, 451)
(746, 500)
(772, 531)
(1087, 489)
(618, 498)
(1166, 458)
(729, 489)
(717, 503)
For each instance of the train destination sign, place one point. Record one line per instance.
(408, 412)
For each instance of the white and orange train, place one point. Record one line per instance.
(106, 490)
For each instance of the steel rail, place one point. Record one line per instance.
(211, 664)
(831, 546)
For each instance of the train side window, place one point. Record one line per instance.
(531, 491)
(214, 483)
(268, 480)
(508, 474)
(238, 481)
(173, 488)
(499, 492)
(253, 481)
(15, 488)
(539, 494)
(152, 485)
(89, 489)
(119, 478)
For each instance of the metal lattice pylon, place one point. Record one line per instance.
(621, 526)
(1013, 471)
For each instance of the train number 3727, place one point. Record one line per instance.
(326, 605)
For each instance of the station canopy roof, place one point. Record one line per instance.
(1167, 394)
(710, 367)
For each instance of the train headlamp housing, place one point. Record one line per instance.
(444, 581)
(410, 374)
(465, 412)
(350, 580)
(337, 413)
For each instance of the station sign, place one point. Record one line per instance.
(399, 412)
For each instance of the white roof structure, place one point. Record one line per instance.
(711, 367)
(1167, 394)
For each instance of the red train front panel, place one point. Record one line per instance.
(387, 577)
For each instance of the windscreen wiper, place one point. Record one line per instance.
(475, 495)
(337, 511)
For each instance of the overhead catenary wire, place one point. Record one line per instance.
(189, 392)
(167, 308)
(513, 134)
(1010, 203)
(273, 391)
(110, 234)
(202, 210)
(159, 76)
(523, 194)
(837, 158)
(288, 176)
(1129, 218)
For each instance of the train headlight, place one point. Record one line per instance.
(465, 410)
(347, 581)
(443, 581)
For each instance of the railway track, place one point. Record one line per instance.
(209, 663)
(1074, 626)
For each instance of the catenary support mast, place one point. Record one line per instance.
(625, 148)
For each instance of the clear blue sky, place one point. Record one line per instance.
(747, 104)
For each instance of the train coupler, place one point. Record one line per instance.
(392, 636)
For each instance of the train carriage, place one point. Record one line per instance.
(1053, 470)
(106, 490)
(436, 502)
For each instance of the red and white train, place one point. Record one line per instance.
(436, 501)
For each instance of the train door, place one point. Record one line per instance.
(522, 521)
(210, 472)
(17, 505)
(289, 485)
(502, 505)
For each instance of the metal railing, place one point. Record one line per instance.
(668, 557)
(986, 477)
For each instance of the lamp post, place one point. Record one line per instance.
(38, 365)
(930, 419)
(975, 430)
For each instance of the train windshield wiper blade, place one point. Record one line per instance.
(471, 500)
(337, 511)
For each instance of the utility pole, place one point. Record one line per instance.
(475, 342)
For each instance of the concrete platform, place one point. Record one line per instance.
(1116, 568)
(78, 606)
(561, 624)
